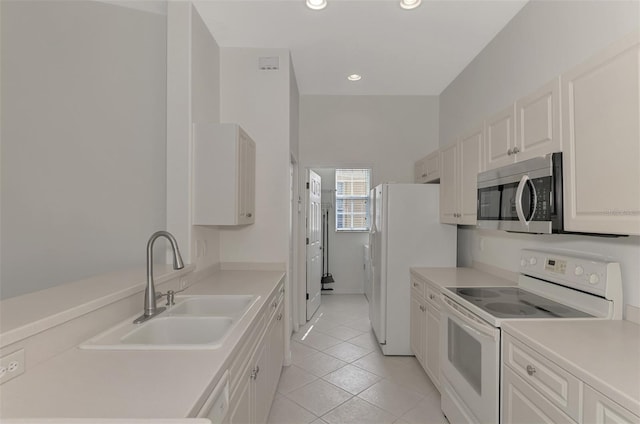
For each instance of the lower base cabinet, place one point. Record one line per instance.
(425, 328)
(536, 390)
(253, 395)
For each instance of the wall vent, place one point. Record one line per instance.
(269, 63)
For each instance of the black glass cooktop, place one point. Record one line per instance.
(513, 302)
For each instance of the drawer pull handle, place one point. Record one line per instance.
(415, 284)
(422, 308)
(254, 372)
(279, 317)
(531, 369)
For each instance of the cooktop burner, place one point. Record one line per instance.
(514, 302)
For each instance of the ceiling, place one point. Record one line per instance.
(397, 51)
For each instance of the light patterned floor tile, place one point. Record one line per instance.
(347, 352)
(391, 397)
(352, 379)
(358, 411)
(293, 377)
(384, 366)
(362, 324)
(285, 411)
(319, 397)
(427, 412)
(319, 364)
(367, 340)
(341, 332)
(299, 351)
(318, 340)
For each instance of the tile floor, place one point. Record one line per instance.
(339, 374)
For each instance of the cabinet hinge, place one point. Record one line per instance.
(307, 296)
(307, 240)
(307, 186)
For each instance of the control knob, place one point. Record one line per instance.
(594, 279)
(523, 262)
(533, 260)
(578, 271)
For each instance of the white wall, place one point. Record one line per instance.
(193, 86)
(545, 39)
(83, 140)
(259, 101)
(384, 133)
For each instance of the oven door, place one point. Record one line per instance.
(470, 352)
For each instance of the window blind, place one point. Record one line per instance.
(352, 199)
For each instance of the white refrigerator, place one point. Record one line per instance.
(405, 232)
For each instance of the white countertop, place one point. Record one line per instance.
(604, 354)
(135, 384)
(460, 277)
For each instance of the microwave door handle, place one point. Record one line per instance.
(519, 192)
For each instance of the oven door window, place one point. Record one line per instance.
(465, 354)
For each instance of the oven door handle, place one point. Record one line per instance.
(478, 328)
(519, 193)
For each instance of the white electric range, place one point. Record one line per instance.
(551, 285)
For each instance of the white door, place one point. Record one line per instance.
(314, 243)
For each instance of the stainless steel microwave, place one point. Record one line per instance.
(523, 197)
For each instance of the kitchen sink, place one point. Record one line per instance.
(221, 305)
(179, 331)
(193, 323)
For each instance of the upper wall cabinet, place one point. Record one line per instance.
(601, 126)
(500, 139)
(427, 169)
(224, 164)
(528, 129)
(538, 123)
(460, 164)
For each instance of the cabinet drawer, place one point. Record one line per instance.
(560, 387)
(522, 404)
(599, 409)
(418, 287)
(245, 352)
(433, 296)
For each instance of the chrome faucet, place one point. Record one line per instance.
(150, 308)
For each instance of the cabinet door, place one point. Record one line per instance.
(260, 398)
(449, 185)
(241, 401)
(521, 404)
(500, 139)
(600, 104)
(538, 122)
(246, 179)
(598, 409)
(420, 171)
(469, 153)
(276, 350)
(417, 327)
(432, 164)
(433, 344)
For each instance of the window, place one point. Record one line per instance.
(352, 199)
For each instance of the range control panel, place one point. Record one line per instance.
(592, 274)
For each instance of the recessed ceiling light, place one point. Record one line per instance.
(354, 77)
(410, 4)
(316, 4)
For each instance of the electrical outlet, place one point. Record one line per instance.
(11, 365)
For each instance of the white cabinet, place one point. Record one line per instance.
(600, 120)
(529, 128)
(537, 390)
(224, 159)
(460, 163)
(500, 138)
(425, 327)
(538, 123)
(427, 169)
(254, 381)
(598, 409)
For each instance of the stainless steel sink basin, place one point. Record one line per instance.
(193, 323)
(221, 305)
